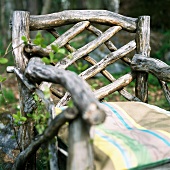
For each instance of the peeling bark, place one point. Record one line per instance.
(143, 47)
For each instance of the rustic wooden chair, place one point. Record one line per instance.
(134, 134)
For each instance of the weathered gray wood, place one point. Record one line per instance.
(49, 133)
(109, 59)
(81, 93)
(151, 65)
(32, 88)
(56, 92)
(81, 52)
(19, 74)
(112, 57)
(116, 85)
(63, 101)
(60, 41)
(49, 106)
(97, 32)
(71, 16)
(33, 50)
(20, 27)
(143, 47)
(108, 44)
(165, 90)
(69, 34)
(157, 67)
(80, 146)
(105, 73)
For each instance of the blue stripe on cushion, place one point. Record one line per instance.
(125, 157)
(130, 128)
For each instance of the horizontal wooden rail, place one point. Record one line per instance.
(38, 22)
(151, 65)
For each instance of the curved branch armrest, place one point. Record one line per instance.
(82, 95)
(157, 67)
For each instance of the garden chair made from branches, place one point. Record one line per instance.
(134, 134)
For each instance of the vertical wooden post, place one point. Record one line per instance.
(143, 47)
(80, 146)
(20, 27)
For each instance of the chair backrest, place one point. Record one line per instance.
(89, 20)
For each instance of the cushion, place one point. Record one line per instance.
(134, 135)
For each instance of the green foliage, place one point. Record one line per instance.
(43, 158)
(94, 85)
(78, 67)
(81, 67)
(56, 55)
(40, 116)
(7, 96)
(165, 46)
(3, 60)
(2, 79)
(39, 40)
(70, 103)
(19, 119)
(24, 39)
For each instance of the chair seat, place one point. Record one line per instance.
(134, 136)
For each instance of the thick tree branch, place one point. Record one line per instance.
(81, 93)
(38, 22)
(150, 65)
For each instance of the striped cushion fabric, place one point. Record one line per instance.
(134, 136)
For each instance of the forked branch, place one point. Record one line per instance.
(81, 93)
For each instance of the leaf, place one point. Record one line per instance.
(85, 66)
(80, 64)
(55, 60)
(29, 115)
(47, 93)
(70, 104)
(38, 35)
(46, 60)
(55, 48)
(94, 85)
(70, 56)
(13, 137)
(2, 79)
(15, 116)
(62, 51)
(47, 115)
(24, 39)
(35, 97)
(19, 114)
(39, 40)
(23, 119)
(51, 56)
(3, 60)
